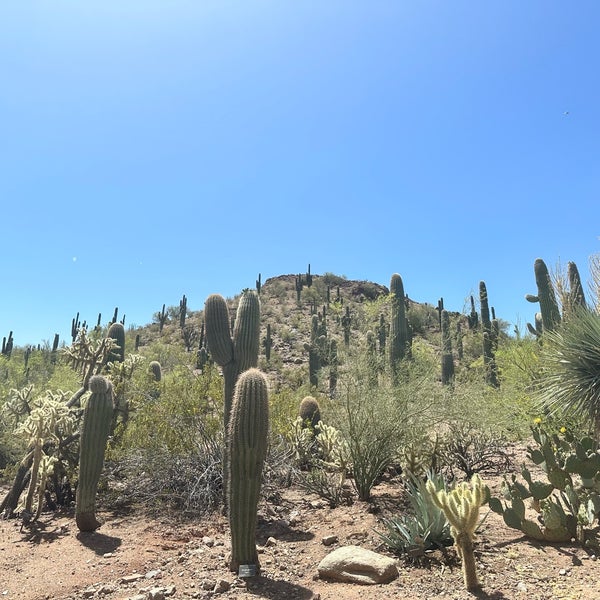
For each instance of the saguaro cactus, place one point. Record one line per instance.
(248, 438)
(235, 354)
(96, 426)
(489, 360)
(545, 296)
(447, 359)
(398, 325)
(117, 332)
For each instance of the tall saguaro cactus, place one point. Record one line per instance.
(233, 353)
(398, 326)
(545, 296)
(248, 438)
(447, 359)
(97, 420)
(489, 360)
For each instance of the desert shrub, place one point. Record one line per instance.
(470, 450)
(161, 480)
(188, 402)
(425, 527)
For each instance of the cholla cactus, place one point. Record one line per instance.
(461, 507)
(49, 420)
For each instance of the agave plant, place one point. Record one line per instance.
(425, 527)
(571, 367)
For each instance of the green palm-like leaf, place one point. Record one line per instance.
(571, 366)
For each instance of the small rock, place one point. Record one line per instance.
(156, 574)
(521, 587)
(107, 555)
(131, 578)
(270, 542)
(222, 586)
(208, 584)
(329, 540)
(563, 572)
(88, 592)
(156, 594)
(357, 565)
(208, 541)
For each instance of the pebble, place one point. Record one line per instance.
(329, 540)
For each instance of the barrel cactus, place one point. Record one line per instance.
(248, 437)
(96, 427)
(309, 411)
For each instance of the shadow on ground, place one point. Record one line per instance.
(99, 542)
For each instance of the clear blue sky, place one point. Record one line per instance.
(150, 149)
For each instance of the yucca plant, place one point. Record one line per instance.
(571, 367)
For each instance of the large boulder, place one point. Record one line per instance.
(357, 565)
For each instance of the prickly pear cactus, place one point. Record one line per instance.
(248, 438)
(97, 420)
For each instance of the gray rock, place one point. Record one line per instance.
(357, 565)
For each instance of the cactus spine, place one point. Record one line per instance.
(398, 327)
(461, 507)
(97, 421)
(248, 438)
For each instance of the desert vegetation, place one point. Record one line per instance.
(328, 385)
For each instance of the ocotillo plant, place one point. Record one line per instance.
(447, 359)
(97, 420)
(545, 296)
(234, 354)
(398, 329)
(461, 507)
(248, 437)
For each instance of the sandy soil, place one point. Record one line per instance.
(137, 557)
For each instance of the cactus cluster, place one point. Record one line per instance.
(568, 503)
